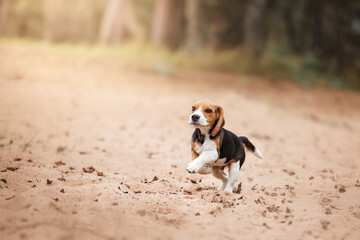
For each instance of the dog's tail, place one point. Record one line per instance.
(251, 147)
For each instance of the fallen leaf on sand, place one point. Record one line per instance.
(357, 184)
(12, 168)
(60, 149)
(59, 163)
(8, 198)
(291, 173)
(238, 189)
(342, 189)
(265, 225)
(188, 192)
(154, 179)
(89, 169)
(324, 224)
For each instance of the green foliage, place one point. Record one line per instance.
(306, 70)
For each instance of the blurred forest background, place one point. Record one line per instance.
(310, 42)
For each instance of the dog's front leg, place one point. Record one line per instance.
(198, 165)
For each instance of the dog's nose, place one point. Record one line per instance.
(195, 117)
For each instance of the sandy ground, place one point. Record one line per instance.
(93, 148)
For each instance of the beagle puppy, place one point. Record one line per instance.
(213, 147)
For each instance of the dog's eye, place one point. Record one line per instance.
(208, 110)
(193, 108)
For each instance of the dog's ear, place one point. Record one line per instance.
(220, 121)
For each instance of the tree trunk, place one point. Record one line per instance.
(254, 26)
(167, 28)
(112, 28)
(218, 25)
(4, 15)
(51, 18)
(132, 24)
(193, 19)
(119, 22)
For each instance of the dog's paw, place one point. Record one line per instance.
(228, 189)
(222, 186)
(193, 167)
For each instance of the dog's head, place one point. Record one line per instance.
(207, 114)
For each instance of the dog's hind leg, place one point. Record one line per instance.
(205, 170)
(218, 172)
(234, 170)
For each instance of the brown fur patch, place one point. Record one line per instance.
(232, 161)
(194, 154)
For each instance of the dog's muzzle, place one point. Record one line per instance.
(195, 118)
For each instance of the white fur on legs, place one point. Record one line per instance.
(219, 173)
(205, 170)
(205, 158)
(234, 170)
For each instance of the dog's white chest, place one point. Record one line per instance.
(198, 148)
(208, 145)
